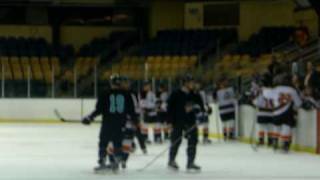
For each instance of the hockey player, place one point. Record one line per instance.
(204, 111)
(286, 101)
(115, 105)
(226, 100)
(136, 132)
(183, 120)
(162, 98)
(264, 104)
(147, 100)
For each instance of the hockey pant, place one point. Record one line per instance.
(177, 135)
(110, 134)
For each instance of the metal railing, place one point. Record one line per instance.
(73, 86)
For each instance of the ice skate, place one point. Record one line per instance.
(193, 168)
(173, 166)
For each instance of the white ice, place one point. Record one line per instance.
(68, 152)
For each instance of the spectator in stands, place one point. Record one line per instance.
(273, 66)
(311, 81)
(302, 34)
(296, 83)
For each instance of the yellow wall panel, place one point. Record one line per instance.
(257, 14)
(26, 31)
(253, 15)
(166, 14)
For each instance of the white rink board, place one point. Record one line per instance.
(43, 109)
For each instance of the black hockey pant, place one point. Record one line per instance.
(113, 134)
(192, 137)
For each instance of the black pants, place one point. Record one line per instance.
(177, 135)
(110, 133)
(140, 138)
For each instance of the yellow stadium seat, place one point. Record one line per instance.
(85, 66)
(150, 59)
(236, 58)
(69, 76)
(158, 59)
(79, 66)
(126, 59)
(55, 64)
(193, 59)
(26, 68)
(47, 71)
(6, 67)
(176, 59)
(185, 58)
(16, 68)
(36, 68)
(134, 60)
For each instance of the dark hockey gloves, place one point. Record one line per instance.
(86, 120)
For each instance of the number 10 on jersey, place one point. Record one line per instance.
(116, 103)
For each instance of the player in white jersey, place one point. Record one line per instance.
(147, 100)
(226, 98)
(162, 117)
(264, 104)
(203, 116)
(286, 102)
(136, 132)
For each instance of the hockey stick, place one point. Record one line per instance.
(61, 118)
(152, 161)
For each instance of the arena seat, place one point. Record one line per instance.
(55, 64)
(6, 67)
(45, 65)
(36, 68)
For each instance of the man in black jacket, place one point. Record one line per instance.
(182, 117)
(115, 105)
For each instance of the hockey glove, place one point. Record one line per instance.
(86, 121)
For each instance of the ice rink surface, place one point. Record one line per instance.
(68, 152)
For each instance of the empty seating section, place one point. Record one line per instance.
(263, 41)
(46, 69)
(172, 52)
(84, 65)
(17, 71)
(132, 66)
(6, 68)
(158, 67)
(242, 65)
(109, 47)
(254, 55)
(35, 68)
(169, 66)
(168, 55)
(187, 42)
(16, 68)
